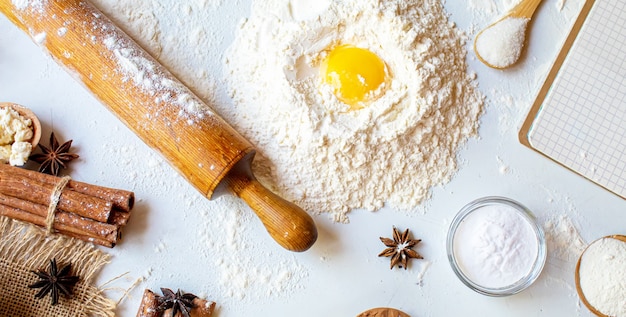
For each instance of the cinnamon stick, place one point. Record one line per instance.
(18, 214)
(202, 308)
(31, 189)
(88, 212)
(122, 200)
(94, 228)
(150, 303)
(119, 218)
(93, 240)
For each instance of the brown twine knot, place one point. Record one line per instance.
(54, 201)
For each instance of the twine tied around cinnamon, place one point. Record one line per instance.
(54, 201)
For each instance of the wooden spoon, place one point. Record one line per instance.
(579, 290)
(28, 114)
(383, 312)
(523, 10)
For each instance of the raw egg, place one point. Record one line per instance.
(355, 74)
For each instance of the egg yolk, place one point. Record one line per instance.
(354, 74)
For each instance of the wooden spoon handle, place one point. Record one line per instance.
(292, 227)
(525, 9)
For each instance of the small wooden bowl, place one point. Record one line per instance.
(579, 290)
(382, 312)
(27, 113)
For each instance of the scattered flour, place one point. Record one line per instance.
(20, 4)
(37, 5)
(491, 7)
(136, 18)
(494, 7)
(502, 167)
(421, 267)
(39, 38)
(563, 240)
(314, 150)
(150, 77)
(187, 45)
(246, 272)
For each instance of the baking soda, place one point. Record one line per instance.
(495, 246)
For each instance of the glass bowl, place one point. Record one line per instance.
(536, 264)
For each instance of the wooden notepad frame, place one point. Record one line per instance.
(527, 127)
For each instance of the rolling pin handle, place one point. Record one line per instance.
(291, 226)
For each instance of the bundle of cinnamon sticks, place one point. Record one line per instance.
(84, 211)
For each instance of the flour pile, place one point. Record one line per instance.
(316, 151)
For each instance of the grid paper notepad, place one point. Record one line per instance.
(579, 118)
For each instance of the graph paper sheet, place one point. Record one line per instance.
(579, 118)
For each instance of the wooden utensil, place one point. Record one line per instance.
(155, 105)
(525, 9)
(383, 312)
(28, 114)
(579, 290)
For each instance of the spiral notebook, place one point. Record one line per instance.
(579, 117)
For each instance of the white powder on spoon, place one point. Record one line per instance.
(500, 45)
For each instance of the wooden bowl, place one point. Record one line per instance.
(579, 290)
(27, 113)
(383, 312)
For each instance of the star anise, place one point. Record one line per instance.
(400, 249)
(178, 301)
(55, 281)
(54, 157)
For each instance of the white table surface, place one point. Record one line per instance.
(167, 242)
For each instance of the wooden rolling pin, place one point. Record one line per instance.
(164, 113)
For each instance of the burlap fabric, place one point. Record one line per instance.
(25, 248)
